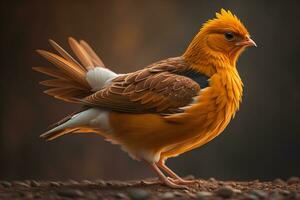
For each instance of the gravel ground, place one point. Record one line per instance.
(137, 190)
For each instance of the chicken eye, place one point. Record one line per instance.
(229, 36)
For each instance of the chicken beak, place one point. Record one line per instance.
(248, 42)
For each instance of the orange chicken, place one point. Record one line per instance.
(161, 111)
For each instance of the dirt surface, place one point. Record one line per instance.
(138, 190)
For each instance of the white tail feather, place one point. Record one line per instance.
(91, 118)
(98, 77)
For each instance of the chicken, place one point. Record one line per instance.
(161, 111)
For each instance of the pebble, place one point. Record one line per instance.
(225, 192)
(232, 183)
(221, 183)
(5, 184)
(192, 195)
(278, 181)
(259, 193)
(109, 183)
(293, 180)
(237, 191)
(250, 197)
(54, 184)
(276, 196)
(202, 195)
(212, 179)
(70, 193)
(73, 182)
(119, 184)
(285, 192)
(138, 194)
(34, 183)
(120, 195)
(167, 195)
(87, 182)
(100, 183)
(20, 183)
(177, 193)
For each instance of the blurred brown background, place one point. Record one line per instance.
(262, 142)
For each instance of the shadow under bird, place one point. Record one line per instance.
(161, 111)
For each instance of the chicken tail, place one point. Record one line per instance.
(77, 122)
(70, 82)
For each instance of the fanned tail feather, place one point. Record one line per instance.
(95, 58)
(69, 83)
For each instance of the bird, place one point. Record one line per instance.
(160, 111)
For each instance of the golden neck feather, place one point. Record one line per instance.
(201, 58)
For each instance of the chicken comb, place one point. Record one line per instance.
(226, 14)
(226, 19)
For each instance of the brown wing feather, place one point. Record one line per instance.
(146, 91)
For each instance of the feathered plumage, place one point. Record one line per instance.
(161, 111)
